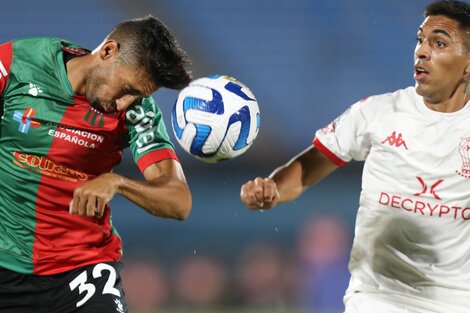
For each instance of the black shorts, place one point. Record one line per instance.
(95, 288)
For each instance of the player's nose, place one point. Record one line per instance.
(422, 51)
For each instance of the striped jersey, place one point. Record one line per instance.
(51, 141)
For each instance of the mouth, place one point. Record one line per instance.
(421, 73)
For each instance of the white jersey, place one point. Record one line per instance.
(412, 236)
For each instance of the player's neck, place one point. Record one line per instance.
(77, 70)
(455, 102)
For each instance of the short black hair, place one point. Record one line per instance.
(148, 43)
(456, 10)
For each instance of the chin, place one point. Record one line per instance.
(420, 89)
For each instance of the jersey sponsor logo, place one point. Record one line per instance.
(432, 190)
(78, 137)
(424, 208)
(26, 120)
(3, 70)
(395, 141)
(94, 118)
(464, 151)
(143, 122)
(45, 166)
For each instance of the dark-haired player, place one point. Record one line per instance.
(67, 115)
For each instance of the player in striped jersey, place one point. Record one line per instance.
(67, 115)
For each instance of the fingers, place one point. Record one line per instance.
(99, 209)
(87, 205)
(269, 190)
(260, 193)
(90, 206)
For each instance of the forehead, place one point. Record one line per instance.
(440, 23)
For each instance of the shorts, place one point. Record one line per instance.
(95, 288)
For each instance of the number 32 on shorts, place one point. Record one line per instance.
(89, 289)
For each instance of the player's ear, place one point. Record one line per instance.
(466, 71)
(109, 49)
(466, 74)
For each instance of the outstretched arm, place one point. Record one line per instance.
(287, 182)
(163, 193)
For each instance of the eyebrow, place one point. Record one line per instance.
(438, 31)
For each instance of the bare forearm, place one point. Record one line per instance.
(288, 179)
(303, 171)
(287, 182)
(164, 196)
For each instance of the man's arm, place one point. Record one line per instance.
(287, 182)
(164, 192)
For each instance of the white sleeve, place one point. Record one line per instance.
(345, 138)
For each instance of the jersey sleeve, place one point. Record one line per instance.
(147, 136)
(5, 63)
(345, 138)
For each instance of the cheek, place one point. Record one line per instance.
(94, 83)
(100, 84)
(452, 64)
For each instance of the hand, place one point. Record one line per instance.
(90, 198)
(259, 194)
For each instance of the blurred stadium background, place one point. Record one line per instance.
(306, 61)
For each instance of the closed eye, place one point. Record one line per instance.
(132, 92)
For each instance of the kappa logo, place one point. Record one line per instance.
(394, 140)
(26, 120)
(432, 190)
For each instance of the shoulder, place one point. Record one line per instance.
(391, 101)
(35, 50)
(38, 46)
(34, 42)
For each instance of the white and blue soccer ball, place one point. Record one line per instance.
(215, 118)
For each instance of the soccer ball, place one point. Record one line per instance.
(215, 118)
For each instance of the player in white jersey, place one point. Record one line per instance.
(411, 250)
